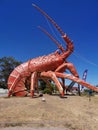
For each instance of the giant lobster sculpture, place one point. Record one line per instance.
(50, 67)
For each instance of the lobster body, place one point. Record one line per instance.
(49, 67)
(46, 63)
(43, 63)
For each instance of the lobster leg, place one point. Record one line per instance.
(61, 68)
(68, 66)
(63, 84)
(71, 68)
(33, 82)
(77, 80)
(53, 77)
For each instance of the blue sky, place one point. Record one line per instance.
(21, 39)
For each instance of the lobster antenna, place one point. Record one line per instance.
(69, 43)
(52, 38)
(50, 19)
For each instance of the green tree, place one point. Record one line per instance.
(7, 64)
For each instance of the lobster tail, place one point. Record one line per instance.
(16, 80)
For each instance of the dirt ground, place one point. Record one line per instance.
(71, 112)
(29, 128)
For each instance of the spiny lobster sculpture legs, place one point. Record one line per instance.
(47, 67)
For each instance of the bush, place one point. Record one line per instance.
(47, 91)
